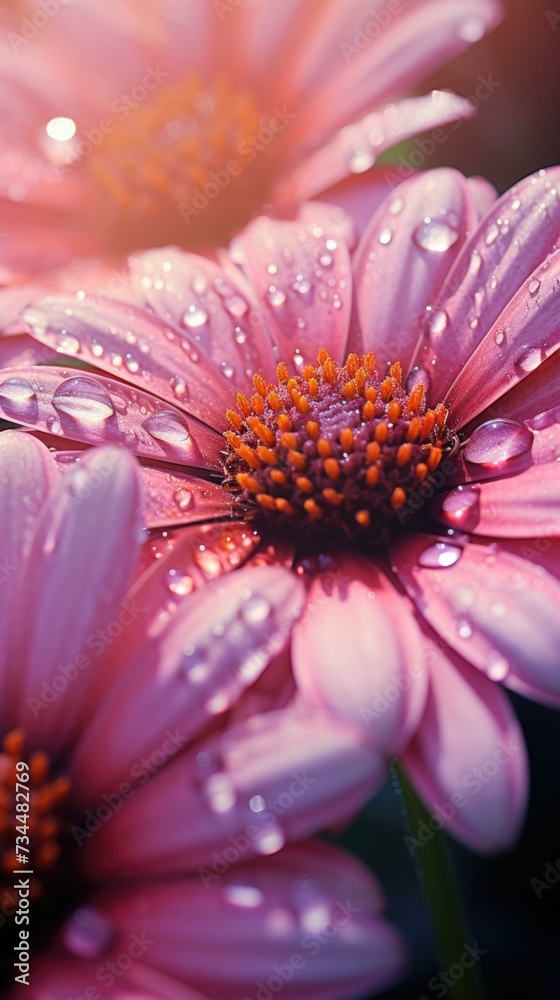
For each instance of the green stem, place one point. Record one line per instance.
(434, 872)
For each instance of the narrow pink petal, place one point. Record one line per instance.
(403, 258)
(524, 505)
(535, 394)
(357, 147)
(97, 410)
(19, 350)
(524, 335)
(28, 475)
(211, 308)
(355, 617)
(79, 567)
(499, 612)
(60, 976)
(262, 915)
(301, 273)
(512, 241)
(359, 196)
(173, 498)
(171, 565)
(279, 777)
(468, 760)
(417, 39)
(131, 343)
(196, 662)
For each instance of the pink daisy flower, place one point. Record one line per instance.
(128, 861)
(392, 436)
(123, 130)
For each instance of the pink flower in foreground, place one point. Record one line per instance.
(125, 807)
(402, 489)
(121, 130)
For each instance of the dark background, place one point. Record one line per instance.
(516, 131)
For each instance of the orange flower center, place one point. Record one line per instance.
(334, 447)
(31, 807)
(173, 147)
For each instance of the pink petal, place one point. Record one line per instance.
(355, 617)
(525, 505)
(417, 40)
(132, 344)
(280, 776)
(468, 760)
(27, 478)
(403, 258)
(60, 976)
(183, 289)
(37, 239)
(535, 394)
(357, 147)
(518, 234)
(195, 663)
(261, 916)
(499, 612)
(21, 350)
(301, 274)
(359, 196)
(78, 570)
(96, 410)
(173, 498)
(524, 335)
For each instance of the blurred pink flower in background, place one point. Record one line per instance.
(126, 126)
(75, 642)
(411, 492)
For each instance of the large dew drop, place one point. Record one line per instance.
(168, 427)
(17, 391)
(435, 235)
(84, 399)
(441, 555)
(497, 441)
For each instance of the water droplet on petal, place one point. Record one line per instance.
(385, 235)
(236, 306)
(179, 583)
(441, 555)
(227, 369)
(208, 562)
(497, 441)
(194, 317)
(36, 318)
(396, 206)
(437, 320)
(276, 296)
(220, 792)
(66, 343)
(17, 390)
(435, 235)
(461, 500)
(255, 610)
(361, 160)
(498, 667)
(499, 337)
(84, 399)
(179, 386)
(167, 426)
(88, 933)
(417, 376)
(534, 286)
(183, 498)
(529, 359)
(472, 29)
(464, 629)
(492, 234)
